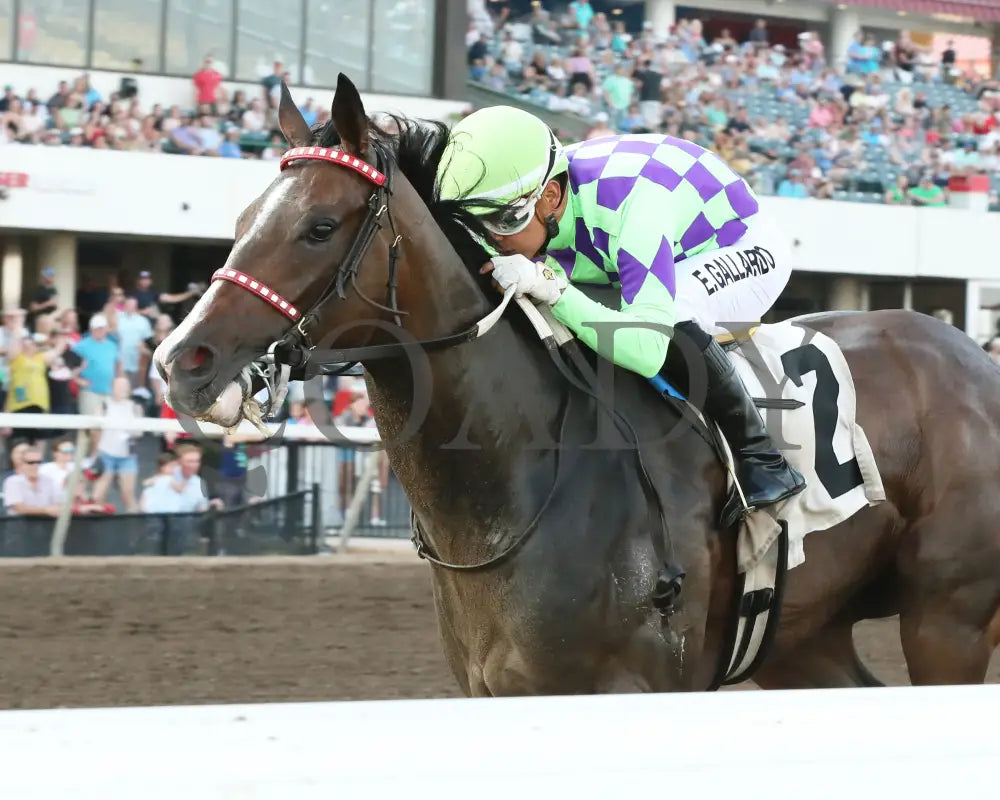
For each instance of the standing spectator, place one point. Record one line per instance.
(618, 89)
(27, 493)
(28, 387)
(309, 111)
(948, 59)
(149, 299)
(99, 364)
(133, 330)
(13, 329)
(272, 85)
(759, 36)
(44, 298)
(62, 399)
(650, 101)
(207, 81)
(582, 12)
(117, 446)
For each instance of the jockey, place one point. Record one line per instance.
(667, 221)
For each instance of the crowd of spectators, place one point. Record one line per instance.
(215, 123)
(889, 122)
(50, 363)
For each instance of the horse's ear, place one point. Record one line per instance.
(348, 117)
(290, 120)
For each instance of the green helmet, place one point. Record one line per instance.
(503, 155)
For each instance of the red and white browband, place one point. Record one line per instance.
(334, 157)
(297, 154)
(259, 289)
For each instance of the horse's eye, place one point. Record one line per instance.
(321, 232)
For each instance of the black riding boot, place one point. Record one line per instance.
(764, 475)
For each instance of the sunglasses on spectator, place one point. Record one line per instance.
(33, 463)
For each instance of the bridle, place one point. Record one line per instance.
(295, 356)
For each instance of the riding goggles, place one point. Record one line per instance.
(515, 217)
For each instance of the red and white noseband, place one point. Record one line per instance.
(330, 155)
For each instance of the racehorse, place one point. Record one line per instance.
(563, 545)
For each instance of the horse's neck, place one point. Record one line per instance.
(468, 414)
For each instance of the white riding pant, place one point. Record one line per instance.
(729, 290)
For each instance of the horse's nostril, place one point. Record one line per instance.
(196, 360)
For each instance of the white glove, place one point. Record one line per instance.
(536, 280)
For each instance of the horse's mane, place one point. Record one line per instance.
(417, 146)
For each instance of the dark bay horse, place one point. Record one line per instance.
(570, 610)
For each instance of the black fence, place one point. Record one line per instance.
(328, 473)
(286, 525)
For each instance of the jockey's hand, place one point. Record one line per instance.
(535, 280)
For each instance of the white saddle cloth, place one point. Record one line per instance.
(788, 364)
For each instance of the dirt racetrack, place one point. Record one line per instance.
(103, 632)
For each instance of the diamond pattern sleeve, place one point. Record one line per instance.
(637, 336)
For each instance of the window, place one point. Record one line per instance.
(403, 46)
(54, 33)
(268, 31)
(126, 31)
(337, 38)
(195, 29)
(6, 20)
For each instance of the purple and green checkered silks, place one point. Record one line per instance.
(638, 205)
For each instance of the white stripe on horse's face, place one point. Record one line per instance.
(277, 196)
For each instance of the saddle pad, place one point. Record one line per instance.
(786, 364)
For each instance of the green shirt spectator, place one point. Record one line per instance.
(618, 89)
(928, 194)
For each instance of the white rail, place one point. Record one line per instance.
(156, 425)
(868, 743)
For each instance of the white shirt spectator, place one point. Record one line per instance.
(210, 138)
(192, 497)
(56, 473)
(254, 121)
(115, 442)
(17, 489)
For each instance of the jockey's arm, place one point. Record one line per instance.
(644, 260)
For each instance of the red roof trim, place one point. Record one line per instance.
(981, 10)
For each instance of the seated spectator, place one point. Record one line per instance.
(899, 195)
(28, 493)
(185, 137)
(208, 135)
(926, 193)
(793, 186)
(59, 471)
(254, 120)
(230, 147)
